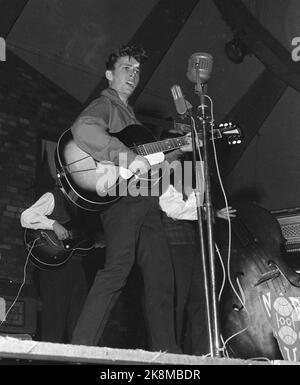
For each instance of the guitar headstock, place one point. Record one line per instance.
(228, 130)
(231, 132)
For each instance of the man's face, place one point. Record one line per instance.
(125, 77)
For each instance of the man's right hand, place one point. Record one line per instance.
(139, 165)
(60, 231)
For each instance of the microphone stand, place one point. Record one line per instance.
(209, 271)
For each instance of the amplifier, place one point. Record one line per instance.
(289, 221)
(22, 317)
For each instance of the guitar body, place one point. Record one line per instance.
(47, 252)
(93, 185)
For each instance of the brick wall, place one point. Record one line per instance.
(31, 107)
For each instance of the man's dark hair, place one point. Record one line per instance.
(138, 53)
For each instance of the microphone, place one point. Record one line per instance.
(180, 103)
(199, 67)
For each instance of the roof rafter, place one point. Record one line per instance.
(156, 34)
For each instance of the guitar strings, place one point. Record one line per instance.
(179, 142)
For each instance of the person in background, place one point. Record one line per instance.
(179, 215)
(63, 290)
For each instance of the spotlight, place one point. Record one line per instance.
(236, 50)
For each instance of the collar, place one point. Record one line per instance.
(112, 94)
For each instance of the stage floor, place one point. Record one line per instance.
(35, 351)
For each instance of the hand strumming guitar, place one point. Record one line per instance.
(60, 231)
(139, 165)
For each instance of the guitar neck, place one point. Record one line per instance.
(168, 144)
(160, 146)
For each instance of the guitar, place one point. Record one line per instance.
(93, 185)
(47, 252)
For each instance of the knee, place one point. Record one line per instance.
(117, 270)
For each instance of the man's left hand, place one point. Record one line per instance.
(188, 147)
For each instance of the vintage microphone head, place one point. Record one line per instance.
(179, 101)
(199, 67)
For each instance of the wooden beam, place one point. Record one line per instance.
(155, 35)
(254, 107)
(260, 42)
(250, 113)
(10, 12)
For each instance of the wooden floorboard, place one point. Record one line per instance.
(15, 349)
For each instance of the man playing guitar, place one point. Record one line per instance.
(64, 290)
